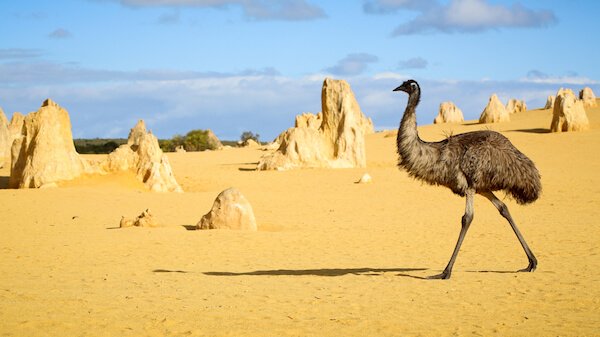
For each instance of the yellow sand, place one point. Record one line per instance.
(331, 258)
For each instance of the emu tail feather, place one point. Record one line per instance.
(528, 188)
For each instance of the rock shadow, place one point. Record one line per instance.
(534, 130)
(4, 183)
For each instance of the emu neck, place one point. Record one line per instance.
(415, 154)
(407, 133)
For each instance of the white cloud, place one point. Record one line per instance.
(536, 76)
(293, 10)
(392, 6)
(352, 64)
(19, 53)
(261, 101)
(60, 33)
(413, 63)
(460, 16)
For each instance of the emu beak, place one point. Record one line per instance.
(398, 89)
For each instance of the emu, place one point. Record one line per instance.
(474, 162)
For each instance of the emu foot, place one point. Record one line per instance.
(531, 267)
(443, 276)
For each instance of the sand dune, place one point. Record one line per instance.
(330, 258)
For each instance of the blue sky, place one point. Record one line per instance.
(237, 65)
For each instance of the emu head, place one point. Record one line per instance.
(409, 87)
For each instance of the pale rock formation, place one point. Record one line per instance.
(15, 127)
(365, 179)
(494, 112)
(213, 141)
(251, 143)
(515, 106)
(44, 152)
(550, 102)
(449, 113)
(309, 120)
(136, 133)
(143, 155)
(587, 96)
(338, 142)
(299, 147)
(5, 143)
(143, 220)
(231, 210)
(180, 149)
(568, 113)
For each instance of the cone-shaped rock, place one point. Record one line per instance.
(587, 96)
(143, 155)
(449, 113)
(44, 152)
(494, 112)
(516, 105)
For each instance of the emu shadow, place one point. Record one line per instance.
(316, 272)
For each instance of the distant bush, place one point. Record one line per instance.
(97, 145)
(249, 135)
(195, 140)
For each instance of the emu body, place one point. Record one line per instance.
(474, 162)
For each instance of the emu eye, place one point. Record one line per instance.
(413, 85)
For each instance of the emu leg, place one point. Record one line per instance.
(504, 212)
(465, 223)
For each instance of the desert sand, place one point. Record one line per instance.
(330, 257)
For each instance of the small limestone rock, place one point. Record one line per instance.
(251, 143)
(365, 179)
(143, 220)
(231, 210)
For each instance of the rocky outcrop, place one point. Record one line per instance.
(568, 113)
(550, 102)
(515, 106)
(449, 113)
(231, 210)
(587, 96)
(143, 155)
(494, 112)
(143, 220)
(338, 141)
(44, 153)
